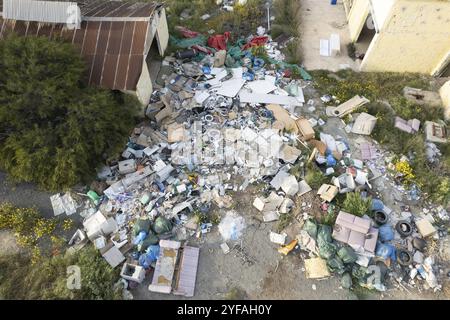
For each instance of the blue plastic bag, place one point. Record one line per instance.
(140, 237)
(385, 251)
(377, 205)
(150, 256)
(331, 161)
(386, 233)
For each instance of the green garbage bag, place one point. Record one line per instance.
(311, 228)
(151, 239)
(327, 250)
(324, 233)
(162, 225)
(188, 42)
(359, 273)
(141, 225)
(347, 254)
(346, 281)
(335, 264)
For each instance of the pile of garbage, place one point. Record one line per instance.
(226, 115)
(217, 121)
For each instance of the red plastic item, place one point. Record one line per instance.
(186, 32)
(256, 41)
(219, 41)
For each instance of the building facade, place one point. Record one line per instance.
(401, 35)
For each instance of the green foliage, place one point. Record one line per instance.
(356, 205)
(284, 221)
(314, 177)
(47, 279)
(53, 129)
(26, 223)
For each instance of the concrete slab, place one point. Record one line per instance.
(319, 20)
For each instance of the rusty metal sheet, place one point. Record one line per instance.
(110, 6)
(134, 71)
(79, 36)
(109, 71)
(90, 11)
(56, 32)
(127, 38)
(145, 11)
(90, 39)
(68, 34)
(115, 37)
(140, 32)
(97, 69)
(122, 70)
(21, 27)
(45, 30)
(123, 11)
(33, 28)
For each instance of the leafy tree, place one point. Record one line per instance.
(47, 279)
(53, 128)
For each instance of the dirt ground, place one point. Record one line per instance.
(318, 20)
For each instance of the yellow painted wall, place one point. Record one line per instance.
(416, 38)
(445, 95)
(357, 17)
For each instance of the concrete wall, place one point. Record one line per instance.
(144, 87)
(445, 95)
(357, 18)
(415, 38)
(162, 34)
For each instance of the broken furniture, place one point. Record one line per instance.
(356, 232)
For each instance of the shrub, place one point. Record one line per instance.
(47, 279)
(54, 129)
(356, 205)
(314, 177)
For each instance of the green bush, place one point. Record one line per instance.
(53, 129)
(356, 205)
(314, 177)
(47, 279)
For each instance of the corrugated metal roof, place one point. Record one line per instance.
(42, 11)
(114, 51)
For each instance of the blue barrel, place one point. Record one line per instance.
(333, 1)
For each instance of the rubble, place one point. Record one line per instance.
(221, 121)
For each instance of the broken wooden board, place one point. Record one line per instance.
(349, 106)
